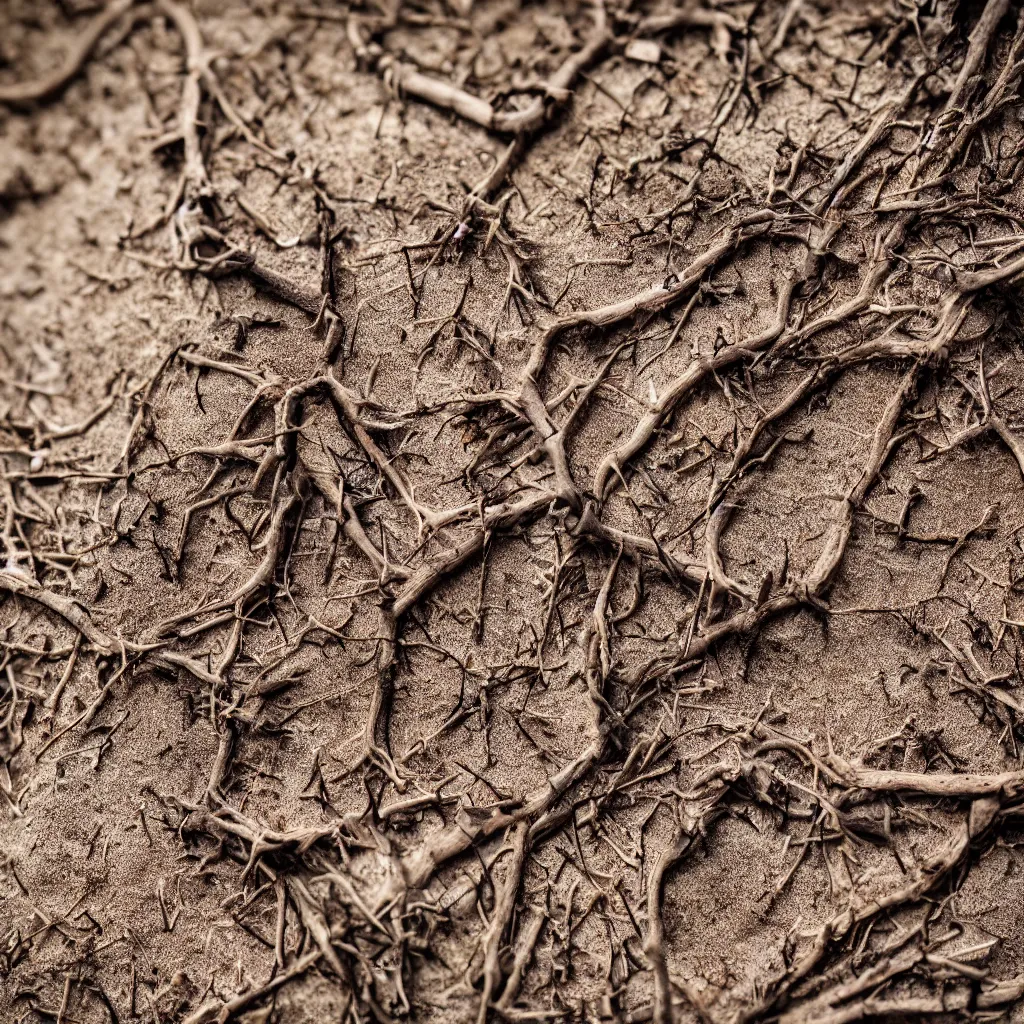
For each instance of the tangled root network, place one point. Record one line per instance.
(511, 511)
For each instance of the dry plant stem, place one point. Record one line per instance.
(654, 947)
(525, 946)
(350, 406)
(408, 80)
(1008, 786)
(635, 546)
(689, 15)
(558, 86)
(199, 76)
(908, 1008)
(778, 40)
(316, 925)
(77, 617)
(838, 536)
(501, 918)
(743, 458)
(309, 300)
(653, 300)
(608, 471)
(262, 577)
(1011, 441)
(742, 623)
(978, 48)
(699, 808)
(220, 765)
(721, 582)
(875, 976)
(822, 573)
(78, 429)
(348, 403)
(989, 421)
(53, 701)
(228, 821)
(197, 183)
(47, 87)
(430, 573)
(404, 78)
(528, 399)
(496, 518)
(351, 525)
(883, 121)
(374, 742)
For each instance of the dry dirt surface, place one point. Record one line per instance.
(511, 511)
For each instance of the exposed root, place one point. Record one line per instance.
(48, 87)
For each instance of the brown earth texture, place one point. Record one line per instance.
(511, 511)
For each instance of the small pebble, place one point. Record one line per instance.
(647, 51)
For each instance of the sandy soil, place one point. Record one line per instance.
(511, 511)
